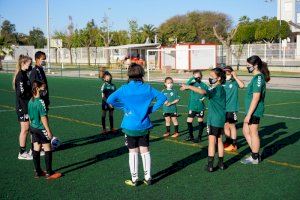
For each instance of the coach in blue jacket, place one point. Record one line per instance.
(135, 100)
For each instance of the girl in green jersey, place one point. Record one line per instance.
(254, 104)
(216, 115)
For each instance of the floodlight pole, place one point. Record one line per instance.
(48, 35)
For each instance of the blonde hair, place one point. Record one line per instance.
(22, 60)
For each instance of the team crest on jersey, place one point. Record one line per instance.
(230, 86)
(171, 93)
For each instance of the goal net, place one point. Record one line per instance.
(180, 57)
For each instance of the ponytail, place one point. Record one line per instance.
(264, 69)
(22, 59)
(262, 66)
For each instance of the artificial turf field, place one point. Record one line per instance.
(95, 166)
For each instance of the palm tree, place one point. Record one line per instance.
(244, 19)
(149, 31)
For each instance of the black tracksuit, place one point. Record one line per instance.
(23, 95)
(38, 74)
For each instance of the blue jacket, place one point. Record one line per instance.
(135, 100)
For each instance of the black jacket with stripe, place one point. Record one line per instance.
(23, 92)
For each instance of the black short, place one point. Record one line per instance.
(231, 117)
(22, 117)
(40, 136)
(170, 115)
(105, 106)
(215, 131)
(193, 114)
(137, 141)
(254, 120)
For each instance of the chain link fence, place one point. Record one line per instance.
(274, 54)
(279, 59)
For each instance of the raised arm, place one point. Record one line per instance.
(239, 81)
(195, 89)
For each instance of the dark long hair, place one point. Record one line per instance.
(35, 86)
(262, 66)
(220, 73)
(135, 72)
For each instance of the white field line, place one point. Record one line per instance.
(55, 107)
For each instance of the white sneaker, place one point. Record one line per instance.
(250, 160)
(30, 152)
(24, 156)
(42, 153)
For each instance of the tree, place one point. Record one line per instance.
(245, 33)
(148, 31)
(194, 27)
(134, 32)
(67, 38)
(22, 39)
(121, 37)
(106, 36)
(177, 29)
(244, 19)
(5, 49)
(270, 31)
(8, 32)
(8, 37)
(36, 38)
(226, 41)
(89, 36)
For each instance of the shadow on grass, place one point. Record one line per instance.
(267, 136)
(98, 158)
(179, 165)
(78, 142)
(279, 144)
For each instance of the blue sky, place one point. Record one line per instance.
(26, 14)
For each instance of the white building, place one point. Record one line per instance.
(289, 10)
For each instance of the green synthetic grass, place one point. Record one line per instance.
(95, 166)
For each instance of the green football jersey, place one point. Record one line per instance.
(108, 88)
(257, 85)
(171, 95)
(36, 110)
(232, 102)
(216, 106)
(196, 100)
